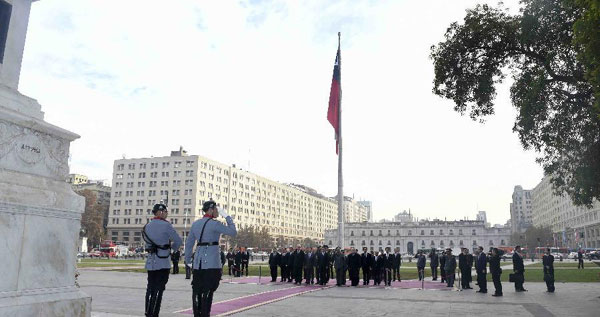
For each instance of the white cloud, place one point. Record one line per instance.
(248, 82)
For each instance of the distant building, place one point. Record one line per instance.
(80, 182)
(368, 208)
(403, 217)
(482, 216)
(290, 212)
(520, 209)
(411, 236)
(76, 179)
(573, 226)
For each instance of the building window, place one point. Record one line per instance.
(451, 243)
(410, 232)
(491, 242)
(502, 242)
(351, 242)
(371, 242)
(474, 233)
(441, 232)
(441, 242)
(363, 242)
(363, 233)
(431, 232)
(474, 242)
(397, 242)
(460, 232)
(352, 233)
(451, 232)
(461, 243)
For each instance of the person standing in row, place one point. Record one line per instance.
(323, 264)
(443, 268)
(496, 271)
(450, 267)
(245, 261)
(207, 268)
(339, 263)
(481, 269)
(238, 263)
(285, 265)
(291, 268)
(159, 237)
(354, 267)
(580, 259)
(230, 257)
(465, 263)
(518, 270)
(396, 265)
(175, 259)
(310, 262)
(298, 264)
(378, 268)
(388, 264)
(366, 261)
(274, 262)
(433, 264)
(421, 262)
(548, 262)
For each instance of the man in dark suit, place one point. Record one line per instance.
(238, 263)
(366, 262)
(580, 259)
(245, 261)
(433, 264)
(310, 261)
(396, 265)
(518, 270)
(378, 267)
(465, 263)
(323, 264)
(230, 258)
(548, 261)
(274, 262)
(298, 264)
(354, 267)
(481, 268)
(291, 262)
(496, 271)
(442, 267)
(388, 266)
(284, 264)
(421, 262)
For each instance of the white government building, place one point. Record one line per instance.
(290, 212)
(410, 235)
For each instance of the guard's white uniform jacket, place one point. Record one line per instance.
(161, 232)
(209, 256)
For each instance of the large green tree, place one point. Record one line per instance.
(92, 219)
(550, 48)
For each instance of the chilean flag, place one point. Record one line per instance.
(335, 96)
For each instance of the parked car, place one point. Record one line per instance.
(507, 256)
(572, 255)
(557, 256)
(594, 255)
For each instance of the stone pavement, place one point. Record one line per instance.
(122, 294)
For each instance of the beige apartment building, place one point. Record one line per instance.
(289, 211)
(573, 226)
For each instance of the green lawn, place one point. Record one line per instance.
(565, 264)
(560, 276)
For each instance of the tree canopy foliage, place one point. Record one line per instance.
(251, 236)
(551, 48)
(92, 220)
(533, 237)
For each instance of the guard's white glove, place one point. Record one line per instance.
(222, 212)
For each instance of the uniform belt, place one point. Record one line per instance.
(203, 244)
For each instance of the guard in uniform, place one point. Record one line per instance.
(450, 267)
(442, 267)
(159, 237)
(421, 262)
(245, 261)
(238, 263)
(206, 233)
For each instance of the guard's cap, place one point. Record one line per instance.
(159, 207)
(208, 204)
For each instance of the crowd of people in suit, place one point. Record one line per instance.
(237, 261)
(318, 264)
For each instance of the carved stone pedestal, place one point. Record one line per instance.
(39, 214)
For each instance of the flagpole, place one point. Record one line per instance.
(340, 230)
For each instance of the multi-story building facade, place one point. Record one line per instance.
(368, 209)
(354, 211)
(414, 235)
(290, 212)
(573, 226)
(76, 179)
(99, 188)
(520, 209)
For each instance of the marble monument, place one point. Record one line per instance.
(39, 213)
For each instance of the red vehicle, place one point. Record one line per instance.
(108, 249)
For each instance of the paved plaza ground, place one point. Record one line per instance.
(122, 294)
